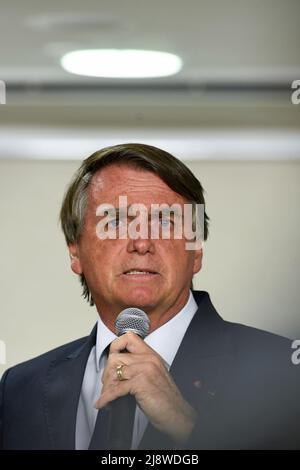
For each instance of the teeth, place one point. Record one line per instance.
(138, 272)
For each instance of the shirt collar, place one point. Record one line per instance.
(165, 340)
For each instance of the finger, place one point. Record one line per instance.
(114, 387)
(130, 371)
(118, 359)
(126, 359)
(111, 393)
(129, 341)
(111, 375)
(149, 375)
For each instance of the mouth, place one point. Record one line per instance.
(140, 273)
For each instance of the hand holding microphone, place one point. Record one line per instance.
(140, 373)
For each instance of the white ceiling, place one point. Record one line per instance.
(217, 39)
(240, 58)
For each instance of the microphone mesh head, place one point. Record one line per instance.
(132, 319)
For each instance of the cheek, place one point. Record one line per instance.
(101, 257)
(186, 263)
(178, 260)
(90, 256)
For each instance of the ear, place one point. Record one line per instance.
(74, 257)
(198, 260)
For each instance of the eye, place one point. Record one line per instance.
(115, 223)
(165, 222)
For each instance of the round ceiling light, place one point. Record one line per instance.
(121, 63)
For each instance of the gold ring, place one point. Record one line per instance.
(119, 371)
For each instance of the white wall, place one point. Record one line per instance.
(251, 261)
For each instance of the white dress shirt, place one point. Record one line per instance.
(165, 340)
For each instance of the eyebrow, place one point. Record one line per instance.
(111, 211)
(116, 211)
(167, 211)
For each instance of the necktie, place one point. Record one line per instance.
(114, 424)
(100, 436)
(99, 440)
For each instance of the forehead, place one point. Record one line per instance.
(137, 184)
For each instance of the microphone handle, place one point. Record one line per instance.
(121, 422)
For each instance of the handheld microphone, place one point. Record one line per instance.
(123, 408)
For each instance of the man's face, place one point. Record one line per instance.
(106, 264)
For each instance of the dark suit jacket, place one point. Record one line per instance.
(240, 380)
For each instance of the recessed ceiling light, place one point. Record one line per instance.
(121, 63)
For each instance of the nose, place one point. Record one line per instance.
(141, 246)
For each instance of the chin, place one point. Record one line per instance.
(139, 298)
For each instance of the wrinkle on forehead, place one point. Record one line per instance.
(115, 180)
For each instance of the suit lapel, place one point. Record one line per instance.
(203, 352)
(62, 392)
(198, 366)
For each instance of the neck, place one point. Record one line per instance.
(157, 316)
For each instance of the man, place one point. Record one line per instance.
(199, 382)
